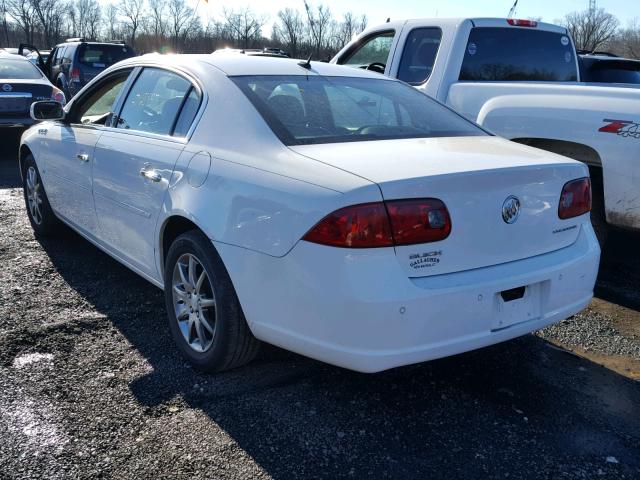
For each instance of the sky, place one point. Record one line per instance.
(379, 10)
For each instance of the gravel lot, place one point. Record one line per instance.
(91, 386)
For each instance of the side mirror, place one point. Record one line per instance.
(47, 110)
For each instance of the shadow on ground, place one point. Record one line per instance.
(522, 408)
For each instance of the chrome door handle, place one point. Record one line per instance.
(83, 157)
(150, 174)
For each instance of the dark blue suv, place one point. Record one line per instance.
(72, 64)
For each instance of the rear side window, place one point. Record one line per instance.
(518, 54)
(102, 56)
(419, 55)
(155, 101)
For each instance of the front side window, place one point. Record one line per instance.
(373, 50)
(419, 55)
(518, 54)
(154, 102)
(97, 107)
(18, 70)
(305, 110)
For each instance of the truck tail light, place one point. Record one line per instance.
(515, 22)
(383, 224)
(58, 95)
(74, 76)
(575, 199)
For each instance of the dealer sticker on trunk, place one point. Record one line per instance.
(418, 261)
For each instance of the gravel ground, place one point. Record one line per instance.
(91, 386)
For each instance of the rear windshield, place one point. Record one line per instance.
(613, 72)
(305, 110)
(518, 54)
(18, 70)
(102, 56)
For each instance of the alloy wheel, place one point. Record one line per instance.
(194, 302)
(34, 195)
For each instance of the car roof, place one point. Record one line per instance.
(236, 65)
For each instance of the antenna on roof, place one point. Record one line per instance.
(513, 9)
(306, 64)
(388, 19)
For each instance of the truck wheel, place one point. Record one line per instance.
(205, 316)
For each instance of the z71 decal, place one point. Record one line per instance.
(624, 128)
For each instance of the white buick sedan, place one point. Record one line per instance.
(336, 213)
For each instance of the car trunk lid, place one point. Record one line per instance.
(476, 178)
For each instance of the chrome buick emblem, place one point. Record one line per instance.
(511, 209)
(6, 87)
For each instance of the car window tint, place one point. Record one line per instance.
(518, 54)
(373, 50)
(101, 56)
(419, 55)
(97, 108)
(154, 102)
(312, 110)
(18, 69)
(187, 114)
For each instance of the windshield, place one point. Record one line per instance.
(518, 54)
(310, 109)
(18, 70)
(102, 56)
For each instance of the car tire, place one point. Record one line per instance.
(204, 313)
(43, 221)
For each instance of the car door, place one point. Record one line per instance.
(134, 162)
(68, 149)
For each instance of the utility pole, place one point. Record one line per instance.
(592, 6)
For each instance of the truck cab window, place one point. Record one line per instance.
(421, 48)
(372, 53)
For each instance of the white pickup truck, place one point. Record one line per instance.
(519, 79)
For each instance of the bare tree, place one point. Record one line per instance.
(5, 24)
(21, 11)
(112, 21)
(319, 23)
(290, 30)
(132, 12)
(627, 42)
(181, 21)
(158, 24)
(244, 25)
(591, 29)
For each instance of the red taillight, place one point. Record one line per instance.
(75, 75)
(575, 198)
(419, 221)
(358, 226)
(372, 225)
(522, 23)
(58, 96)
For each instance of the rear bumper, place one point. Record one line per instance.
(359, 310)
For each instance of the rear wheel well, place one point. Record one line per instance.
(173, 228)
(577, 151)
